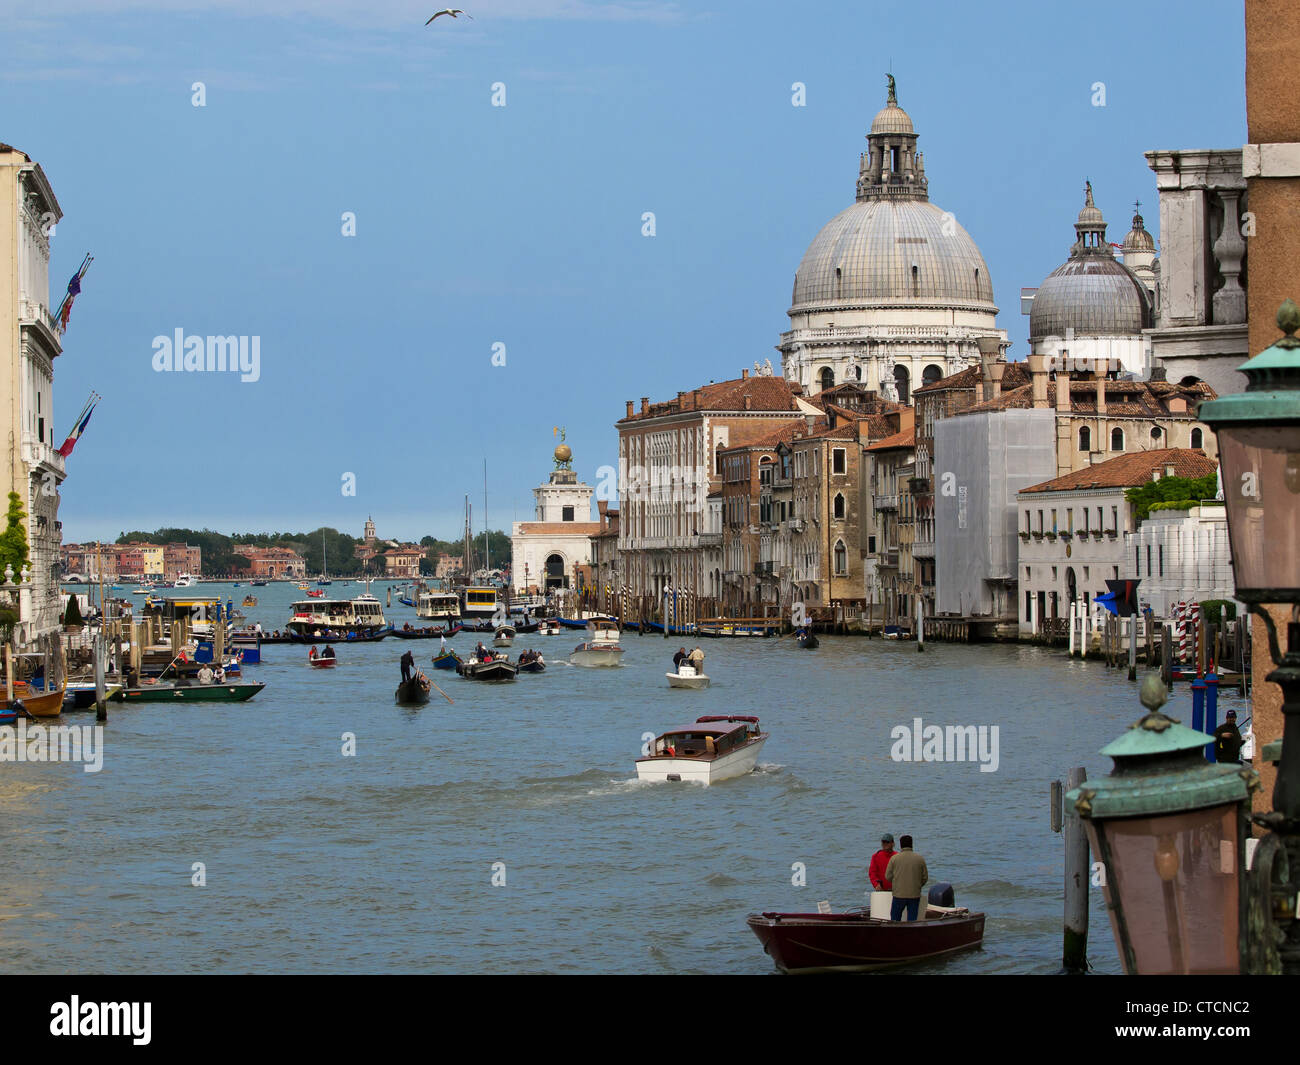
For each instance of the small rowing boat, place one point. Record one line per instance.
(446, 660)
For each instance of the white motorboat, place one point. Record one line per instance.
(185, 581)
(549, 627)
(687, 677)
(504, 636)
(601, 648)
(713, 748)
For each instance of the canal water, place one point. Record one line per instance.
(505, 830)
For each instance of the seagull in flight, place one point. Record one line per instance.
(454, 12)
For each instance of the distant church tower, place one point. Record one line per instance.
(370, 530)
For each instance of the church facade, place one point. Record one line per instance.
(554, 550)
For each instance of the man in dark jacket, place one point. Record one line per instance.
(408, 664)
(1227, 740)
(678, 659)
(880, 862)
(907, 871)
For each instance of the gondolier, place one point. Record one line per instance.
(408, 664)
(907, 872)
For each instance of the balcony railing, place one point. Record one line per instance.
(885, 502)
(923, 549)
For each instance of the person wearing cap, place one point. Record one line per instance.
(1227, 740)
(907, 871)
(879, 862)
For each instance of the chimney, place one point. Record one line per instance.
(990, 350)
(995, 372)
(744, 375)
(629, 408)
(1038, 380)
(1101, 391)
(1062, 392)
(645, 404)
(602, 505)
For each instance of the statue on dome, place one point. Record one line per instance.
(563, 453)
(893, 96)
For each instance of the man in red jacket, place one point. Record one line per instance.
(879, 862)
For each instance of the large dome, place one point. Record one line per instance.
(892, 252)
(1096, 296)
(1092, 293)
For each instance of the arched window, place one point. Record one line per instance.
(857, 372)
(902, 382)
(839, 505)
(841, 559)
(931, 374)
(1155, 434)
(839, 281)
(827, 378)
(1197, 440)
(916, 280)
(1117, 439)
(1085, 438)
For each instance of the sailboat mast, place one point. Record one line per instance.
(487, 549)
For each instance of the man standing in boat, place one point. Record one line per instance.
(880, 862)
(408, 664)
(907, 872)
(697, 660)
(678, 659)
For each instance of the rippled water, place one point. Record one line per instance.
(383, 862)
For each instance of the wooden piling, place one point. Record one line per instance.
(1132, 647)
(1167, 655)
(1074, 954)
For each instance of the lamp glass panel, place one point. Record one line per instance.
(1261, 487)
(1176, 879)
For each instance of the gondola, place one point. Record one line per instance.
(807, 639)
(413, 692)
(424, 634)
(297, 638)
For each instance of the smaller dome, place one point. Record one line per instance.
(1138, 238)
(892, 119)
(1091, 214)
(563, 453)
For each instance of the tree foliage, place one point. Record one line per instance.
(13, 541)
(1169, 490)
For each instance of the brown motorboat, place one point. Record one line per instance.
(857, 942)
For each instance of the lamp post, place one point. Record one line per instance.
(1259, 452)
(1170, 829)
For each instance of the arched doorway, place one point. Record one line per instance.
(555, 575)
(902, 383)
(1071, 585)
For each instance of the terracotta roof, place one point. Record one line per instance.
(765, 394)
(550, 528)
(1124, 399)
(1015, 375)
(1135, 468)
(907, 438)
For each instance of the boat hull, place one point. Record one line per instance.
(448, 661)
(701, 770)
(492, 671)
(322, 663)
(855, 942)
(212, 693)
(42, 704)
(412, 692)
(694, 682)
(596, 657)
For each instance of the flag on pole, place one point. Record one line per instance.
(74, 290)
(83, 419)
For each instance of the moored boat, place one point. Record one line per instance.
(219, 693)
(601, 647)
(713, 748)
(857, 942)
(39, 703)
(687, 677)
(80, 695)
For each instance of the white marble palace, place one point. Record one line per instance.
(893, 292)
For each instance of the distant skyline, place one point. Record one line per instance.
(479, 225)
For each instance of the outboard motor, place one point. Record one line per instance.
(941, 895)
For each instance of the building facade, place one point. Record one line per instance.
(554, 550)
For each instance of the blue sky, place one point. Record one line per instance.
(520, 225)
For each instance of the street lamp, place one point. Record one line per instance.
(1170, 829)
(1259, 451)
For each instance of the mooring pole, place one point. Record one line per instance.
(920, 626)
(1074, 955)
(1132, 647)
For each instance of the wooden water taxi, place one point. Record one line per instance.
(857, 942)
(601, 648)
(713, 748)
